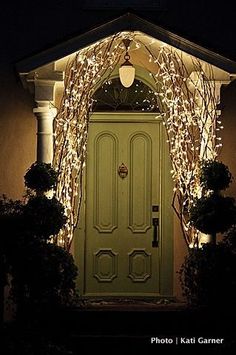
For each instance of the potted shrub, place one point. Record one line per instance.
(213, 213)
(208, 274)
(42, 274)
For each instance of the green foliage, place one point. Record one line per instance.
(11, 213)
(44, 276)
(41, 177)
(9, 207)
(10, 223)
(230, 238)
(213, 214)
(215, 175)
(44, 217)
(208, 275)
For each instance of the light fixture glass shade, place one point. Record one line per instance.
(127, 74)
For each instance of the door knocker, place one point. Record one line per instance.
(123, 171)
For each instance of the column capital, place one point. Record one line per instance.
(45, 112)
(43, 82)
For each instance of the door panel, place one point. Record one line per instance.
(140, 182)
(119, 258)
(105, 195)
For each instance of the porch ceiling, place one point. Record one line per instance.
(127, 22)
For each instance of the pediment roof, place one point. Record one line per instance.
(127, 22)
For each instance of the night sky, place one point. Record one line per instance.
(28, 27)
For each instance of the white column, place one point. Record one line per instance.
(45, 116)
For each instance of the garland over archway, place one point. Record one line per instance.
(188, 104)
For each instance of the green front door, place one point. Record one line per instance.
(124, 192)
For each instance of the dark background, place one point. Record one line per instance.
(28, 27)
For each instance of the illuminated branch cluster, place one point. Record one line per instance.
(188, 104)
(187, 101)
(85, 72)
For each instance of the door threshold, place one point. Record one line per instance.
(129, 303)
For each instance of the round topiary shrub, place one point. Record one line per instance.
(44, 217)
(215, 175)
(208, 275)
(46, 274)
(41, 177)
(55, 282)
(230, 239)
(213, 214)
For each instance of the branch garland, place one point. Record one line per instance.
(187, 101)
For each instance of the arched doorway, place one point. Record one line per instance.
(124, 212)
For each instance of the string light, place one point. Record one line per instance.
(187, 104)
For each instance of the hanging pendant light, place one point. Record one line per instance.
(126, 70)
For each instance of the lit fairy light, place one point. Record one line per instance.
(190, 118)
(71, 124)
(188, 107)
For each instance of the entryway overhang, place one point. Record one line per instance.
(43, 74)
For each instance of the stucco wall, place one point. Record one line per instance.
(228, 118)
(17, 133)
